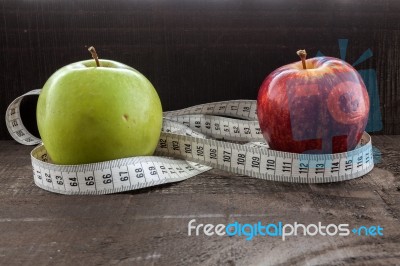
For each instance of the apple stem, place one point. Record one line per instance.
(303, 55)
(94, 55)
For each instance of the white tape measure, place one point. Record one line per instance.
(188, 147)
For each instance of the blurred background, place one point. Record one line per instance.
(200, 51)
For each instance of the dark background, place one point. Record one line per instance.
(196, 51)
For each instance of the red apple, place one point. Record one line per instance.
(318, 105)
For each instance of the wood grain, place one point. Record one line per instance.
(149, 226)
(197, 51)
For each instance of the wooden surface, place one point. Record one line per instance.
(197, 51)
(149, 226)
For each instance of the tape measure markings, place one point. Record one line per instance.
(106, 177)
(14, 123)
(244, 109)
(186, 137)
(248, 160)
(219, 127)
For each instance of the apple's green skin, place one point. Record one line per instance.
(88, 114)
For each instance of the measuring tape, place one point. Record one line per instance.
(224, 135)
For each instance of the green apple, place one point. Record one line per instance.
(88, 113)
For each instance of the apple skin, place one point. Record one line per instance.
(321, 109)
(88, 114)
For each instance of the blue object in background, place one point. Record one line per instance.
(375, 116)
(369, 77)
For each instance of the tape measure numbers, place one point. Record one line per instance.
(188, 147)
(14, 123)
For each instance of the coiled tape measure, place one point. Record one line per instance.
(188, 147)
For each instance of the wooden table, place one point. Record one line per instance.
(149, 226)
